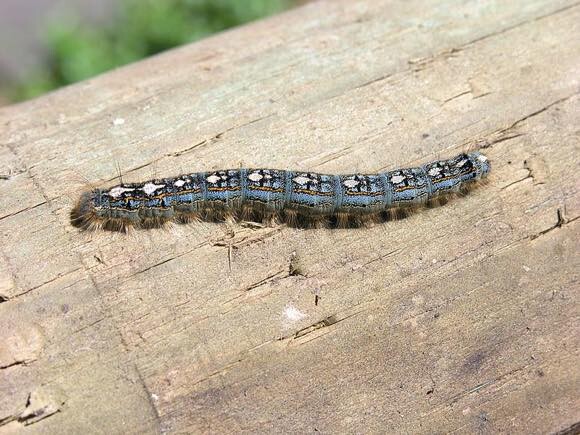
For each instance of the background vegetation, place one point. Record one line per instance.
(141, 28)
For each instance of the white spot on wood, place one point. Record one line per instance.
(293, 314)
(350, 183)
(179, 183)
(149, 188)
(118, 121)
(418, 300)
(397, 179)
(117, 191)
(255, 176)
(213, 179)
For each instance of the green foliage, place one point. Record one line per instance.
(140, 29)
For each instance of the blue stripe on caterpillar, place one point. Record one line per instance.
(258, 193)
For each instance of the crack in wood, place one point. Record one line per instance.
(32, 207)
(188, 149)
(573, 429)
(36, 287)
(330, 320)
(561, 220)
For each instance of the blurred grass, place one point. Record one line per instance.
(141, 28)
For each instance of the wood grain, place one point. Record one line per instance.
(463, 318)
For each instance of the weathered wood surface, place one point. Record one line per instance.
(462, 318)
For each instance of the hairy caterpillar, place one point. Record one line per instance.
(298, 198)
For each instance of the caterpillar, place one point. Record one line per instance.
(295, 197)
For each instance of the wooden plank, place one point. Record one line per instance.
(460, 318)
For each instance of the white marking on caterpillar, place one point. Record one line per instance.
(149, 188)
(213, 179)
(397, 179)
(434, 171)
(302, 180)
(115, 192)
(350, 183)
(179, 183)
(255, 176)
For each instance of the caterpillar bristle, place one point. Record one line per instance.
(290, 217)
